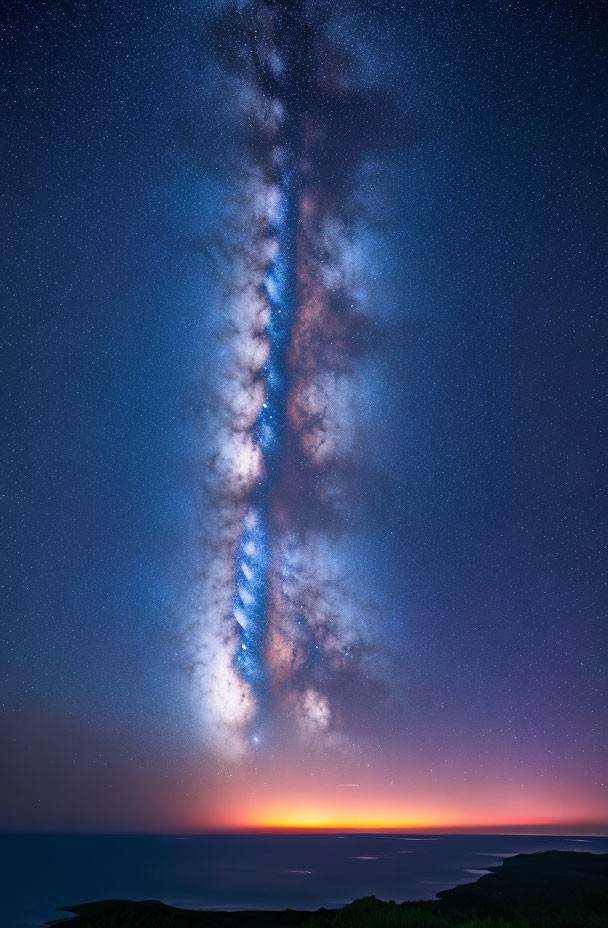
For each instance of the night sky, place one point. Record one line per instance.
(303, 402)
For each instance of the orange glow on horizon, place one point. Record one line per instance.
(334, 799)
(312, 821)
(286, 816)
(316, 817)
(585, 829)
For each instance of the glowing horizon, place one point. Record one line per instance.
(583, 829)
(320, 823)
(259, 805)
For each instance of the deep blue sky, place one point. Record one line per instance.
(489, 510)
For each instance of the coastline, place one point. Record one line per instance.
(554, 885)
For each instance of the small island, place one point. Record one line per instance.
(567, 889)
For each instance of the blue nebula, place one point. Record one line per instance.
(250, 596)
(250, 600)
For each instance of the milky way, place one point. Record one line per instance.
(279, 614)
(385, 221)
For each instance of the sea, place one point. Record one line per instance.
(41, 873)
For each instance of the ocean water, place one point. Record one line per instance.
(41, 873)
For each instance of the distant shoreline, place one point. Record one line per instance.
(522, 888)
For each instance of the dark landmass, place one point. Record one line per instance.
(553, 888)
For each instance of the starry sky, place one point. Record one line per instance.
(303, 376)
